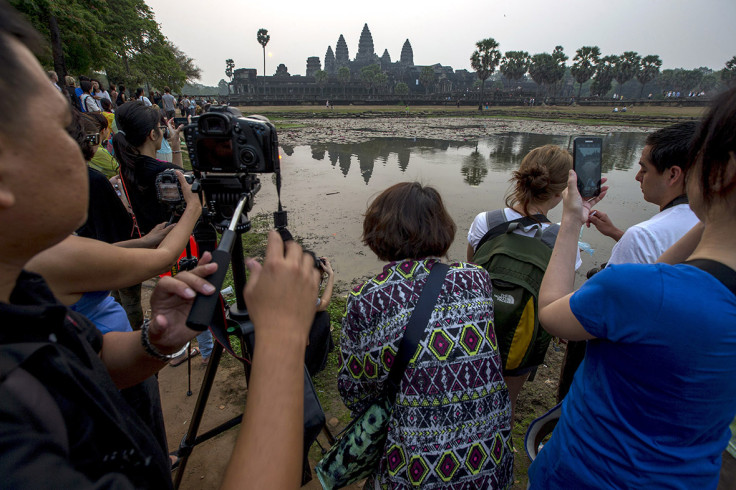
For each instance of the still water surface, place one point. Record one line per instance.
(327, 187)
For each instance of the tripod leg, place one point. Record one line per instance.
(188, 442)
(189, 370)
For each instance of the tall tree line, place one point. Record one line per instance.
(119, 37)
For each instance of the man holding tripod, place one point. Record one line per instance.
(62, 420)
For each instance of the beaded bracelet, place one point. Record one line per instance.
(151, 350)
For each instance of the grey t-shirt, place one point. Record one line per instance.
(169, 102)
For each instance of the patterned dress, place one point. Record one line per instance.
(450, 427)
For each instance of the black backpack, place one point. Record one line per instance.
(516, 264)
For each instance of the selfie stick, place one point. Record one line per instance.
(203, 308)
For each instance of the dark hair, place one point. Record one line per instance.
(408, 221)
(112, 86)
(106, 104)
(541, 176)
(121, 88)
(135, 122)
(13, 75)
(86, 86)
(167, 90)
(139, 92)
(78, 133)
(670, 146)
(84, 78)
(713, 147)
(90, 123)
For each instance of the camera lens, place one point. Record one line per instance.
(247, 156)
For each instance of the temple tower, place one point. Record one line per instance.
(407, 54)
(385, 60)
(313, 65)
(342, 58)
(365, 47)
(330, 61)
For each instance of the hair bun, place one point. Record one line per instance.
(535, 178)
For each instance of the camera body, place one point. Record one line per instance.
(168, 190)
(223, 141)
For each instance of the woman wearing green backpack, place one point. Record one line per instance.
(536, 189)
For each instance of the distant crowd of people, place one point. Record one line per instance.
(647, 392)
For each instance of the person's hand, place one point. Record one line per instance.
(326, 266)
(281, 293)
(573, 205)
(153, 238)
(174, 133)
(603, 223)
(191, 198)
(170, 304)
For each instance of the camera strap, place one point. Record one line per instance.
(280, 220)
(136, 228)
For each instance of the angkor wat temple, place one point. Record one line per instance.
(247, 87)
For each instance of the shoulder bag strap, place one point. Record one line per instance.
(416, 327)
(721, 272)
(136, 228)
(523, 222)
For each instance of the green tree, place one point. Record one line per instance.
(543, 70)
(380, 81)
(484, 60)
(626, 67)
(603, 76)
(427, 78)
(515, 64)
(584, 64)
(263, 39)
(343, 76)
(728, 74)
(229, 66)
(648, 70)
(708, 82)
(558, 73)
(401, 89)
(320, 78)
(368, 75)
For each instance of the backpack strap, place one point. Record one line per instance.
(510, 226)
(415, 328)
(723, 273)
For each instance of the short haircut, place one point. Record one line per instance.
(83, 78)
(13, 75)
(139, 92)
(713, 146)
(408, 221)
(167, 90)
(52, 74)
(69, 80)
(86, 86)
(670, 146)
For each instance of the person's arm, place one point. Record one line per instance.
(603, 223)
(175, 143)
(684, 247)
(268, 452)
(78, 265)
(324, 300)
(555, 314)
(123, 354)
(152, 239)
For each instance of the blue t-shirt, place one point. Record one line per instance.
(650, 405)
(78, 94)
(102, 309)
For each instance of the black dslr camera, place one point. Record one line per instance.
(168, 190)
(223, 141)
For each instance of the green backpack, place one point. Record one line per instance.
(516, 264)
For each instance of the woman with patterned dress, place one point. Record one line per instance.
(450, 425)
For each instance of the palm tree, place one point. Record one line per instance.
(343, 75)
(515, 64)
(427, 78)
(320, 76)
(648, 71)
(263, 39)
(229, 65)
(728, 74)
(484, 61)
(626, 67)
(584, 64)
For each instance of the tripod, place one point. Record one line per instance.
(225, 321)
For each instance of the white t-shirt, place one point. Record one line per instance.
(645, 242)
(480, 227)
(90, 104)
(146, 101)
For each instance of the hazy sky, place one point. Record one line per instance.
(683, 33)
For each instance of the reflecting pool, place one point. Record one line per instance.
(326, 188)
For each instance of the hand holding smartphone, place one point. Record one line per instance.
(587, 159)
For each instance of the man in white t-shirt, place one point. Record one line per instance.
(663, 162)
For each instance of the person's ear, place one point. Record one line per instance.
(153, 134)
(7, 196)
(675, 176)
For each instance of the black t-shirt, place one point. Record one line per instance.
(63, 422)
(107, 218)
(148, 211)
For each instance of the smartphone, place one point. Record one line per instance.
(178, 121)
(587, 159)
